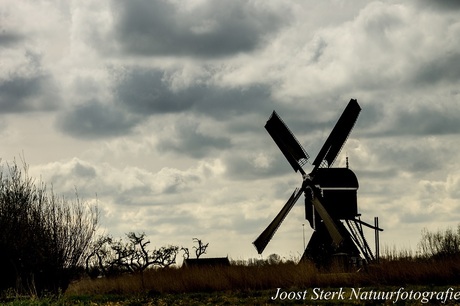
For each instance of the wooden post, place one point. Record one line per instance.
(377, 242)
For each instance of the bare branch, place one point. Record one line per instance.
(201, 249)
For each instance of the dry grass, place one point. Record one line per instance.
(435, 264)
(394, 272)
(175, 280)
(443, 271)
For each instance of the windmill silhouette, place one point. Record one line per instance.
(331, 206)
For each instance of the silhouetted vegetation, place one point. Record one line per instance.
(200, 249)
(109, 257)
(440, 244)
(246, 279)
(43, 237)
(396, 268)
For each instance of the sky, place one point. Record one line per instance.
(155, 110)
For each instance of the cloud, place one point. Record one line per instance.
(151, 92)
(68, 176)
(23, 94)
(83, 171)
(160, 107)
(351, 60)
(9, 39)
(202, 29)
(94, 120)
(446, 5)
(129, 185)
(187, 139)
(427, 121)
(145, 91)
(446, 68)
(163, 203)
(26, 87)
(425, 117)
(257, 166)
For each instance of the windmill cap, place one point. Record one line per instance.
(336, 178)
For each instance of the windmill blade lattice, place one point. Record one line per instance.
(261, 242)
(287, 143)
(338, 136)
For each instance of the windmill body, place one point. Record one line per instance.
(338, 188)
(331, 205)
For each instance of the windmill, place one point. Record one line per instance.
(330, 195)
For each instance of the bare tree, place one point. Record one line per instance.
(100, 257)
(201, 248)
(165, 256)
(140, 258)
(109, 257)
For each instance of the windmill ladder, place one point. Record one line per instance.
(358, 237)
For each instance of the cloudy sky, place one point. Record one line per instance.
(156, 108)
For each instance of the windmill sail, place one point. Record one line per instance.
(338, 136)
(286, 141)
(261, 242)
(328, 222)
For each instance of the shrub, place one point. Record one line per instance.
(440, 244)
(43, 237)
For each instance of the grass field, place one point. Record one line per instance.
(399, 272)
(291, 283)
(257, 285)
(259, 297)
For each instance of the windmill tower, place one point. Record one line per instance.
(331, 205)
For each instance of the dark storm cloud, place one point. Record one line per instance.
(442, 4)
(27, 93)
(370, 116)
(426, 121)
(422, 121)
(213, 28)
(411, 156)
(445, 68)
(84, 171)
(9, 39)
(96, 120)
(31, 89)
(188, 140)
(147, 92)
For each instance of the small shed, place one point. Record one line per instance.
(206, 262)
